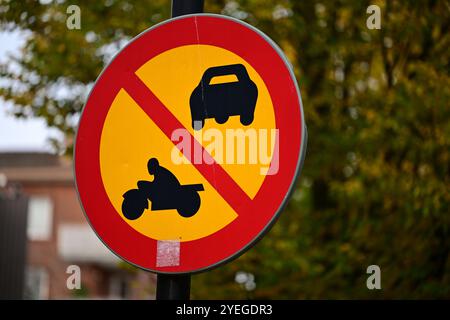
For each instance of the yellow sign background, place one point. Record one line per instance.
(130, 138)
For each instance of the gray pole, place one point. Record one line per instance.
(177, 286)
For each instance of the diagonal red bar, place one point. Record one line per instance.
(168, 123)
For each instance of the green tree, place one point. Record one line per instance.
(374, 189)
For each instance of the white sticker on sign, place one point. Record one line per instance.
(168, 253)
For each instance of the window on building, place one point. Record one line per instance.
(40, 218)
(36, 283)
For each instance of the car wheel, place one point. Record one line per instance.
(246, 119)
(221, 119)
(198, 124)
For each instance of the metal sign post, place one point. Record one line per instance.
(182, 7)
(177, 287)
(173, 286)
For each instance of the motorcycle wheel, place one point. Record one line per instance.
(134, 203)
(190, 204)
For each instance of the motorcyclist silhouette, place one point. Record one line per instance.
(163, 186)
(165, 192)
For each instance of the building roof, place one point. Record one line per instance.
(28, 159)
(35, 167)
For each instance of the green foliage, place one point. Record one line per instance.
(81, 293)
(374, 189)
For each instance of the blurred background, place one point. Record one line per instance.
(374, 189)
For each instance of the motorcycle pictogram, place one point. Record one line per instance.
(164, 192)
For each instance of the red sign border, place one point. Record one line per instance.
(269, 202)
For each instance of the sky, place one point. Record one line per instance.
(20, 134)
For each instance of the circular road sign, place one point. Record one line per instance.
(189, 144)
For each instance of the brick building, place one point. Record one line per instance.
(59, 235)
